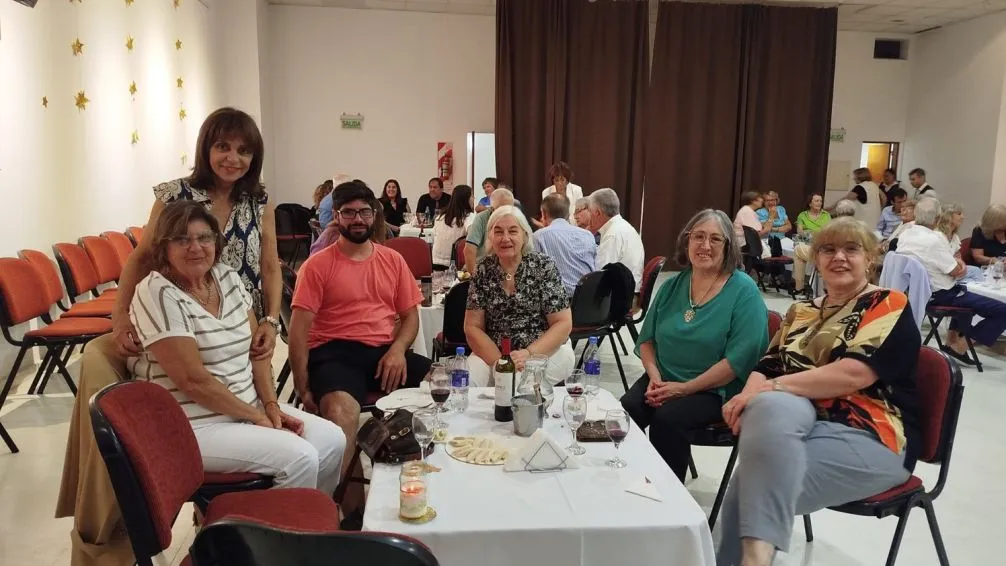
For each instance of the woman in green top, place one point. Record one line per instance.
(706, 329)
(814, 218)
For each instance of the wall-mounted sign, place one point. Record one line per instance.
(838, 135)
(352, 121)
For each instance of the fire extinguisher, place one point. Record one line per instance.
(446, 167)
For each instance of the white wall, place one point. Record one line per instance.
(955, 110)
(67, 173)
(418, 78)
(870, 100)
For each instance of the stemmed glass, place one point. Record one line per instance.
(440, 387)
(574, 383)
(575, 411)
(616, 422)
(423, 427)
(591, 385)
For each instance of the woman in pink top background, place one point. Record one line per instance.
(746, 216)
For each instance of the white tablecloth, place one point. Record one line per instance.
(410, 231)
(431, 323)
(990, 291)
(580, 517)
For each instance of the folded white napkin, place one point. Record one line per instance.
(597, 410)
(540, 452)
(644, 487)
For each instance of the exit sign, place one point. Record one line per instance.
(352, 121)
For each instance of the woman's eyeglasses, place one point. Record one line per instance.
(204, 240)
(352, 213)
(701, 238)
(849, 249)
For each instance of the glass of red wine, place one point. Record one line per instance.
(440, 388)
(616, 422)
(575, 383)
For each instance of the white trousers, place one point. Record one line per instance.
(314, 460)
(560, 364)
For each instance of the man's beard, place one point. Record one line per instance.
(356, 237)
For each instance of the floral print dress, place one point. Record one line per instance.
(242, 233)
(521, 316)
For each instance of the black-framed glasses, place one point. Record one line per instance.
(352, 213)
(204, 240)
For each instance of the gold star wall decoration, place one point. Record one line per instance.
(45, 102)
(129, 43)
(180, 82)
(77, 47)
(81, 100)
(77, 1)
(132, 88)
(177, 3)
(129, 2)
(178, 45)
(185, 158)
(134, 138)
(182, 114)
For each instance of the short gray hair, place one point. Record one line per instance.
(844, 207)
(502, 212)
(927, 211)
(605, 200)
(581, 203)
(501, 197)
(732, 258)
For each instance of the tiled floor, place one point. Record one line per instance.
(968, 509)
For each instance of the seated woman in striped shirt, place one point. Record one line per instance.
(195, 321)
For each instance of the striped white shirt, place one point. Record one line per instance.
(161, 310)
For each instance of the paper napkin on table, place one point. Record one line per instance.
(644, 487)
(540, 452)
(596, 411)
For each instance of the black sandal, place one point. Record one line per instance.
(963, 358)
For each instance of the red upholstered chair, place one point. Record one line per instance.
(416, 253)
(22, 301)
(720, 435)
(458, 252)
(650, 273)
(79, 275)
(135, 234)
(941, 391)
(123, 246)
(154, 464)
(233, 542)
(966, 252)
(104, 259)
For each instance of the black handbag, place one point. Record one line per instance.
(387, 438)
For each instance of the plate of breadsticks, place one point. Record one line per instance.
(478, 450)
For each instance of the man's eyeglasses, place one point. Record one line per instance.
(714, 240)
(204, 240)
(352, 213)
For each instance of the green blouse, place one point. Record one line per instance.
(811, 225)
(732, 326)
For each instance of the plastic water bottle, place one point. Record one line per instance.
(459, 381)
(592, 366)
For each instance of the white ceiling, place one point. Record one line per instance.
(889, 16)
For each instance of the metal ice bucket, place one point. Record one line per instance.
(528, 414)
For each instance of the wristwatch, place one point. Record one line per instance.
(777, 385)
(271, 320)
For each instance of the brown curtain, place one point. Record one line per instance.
(571, 77)
(740, 99)
(691, 137)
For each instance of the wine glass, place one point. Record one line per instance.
(423, 428)
(575, 411)
(616, 422)
(440, 387)
(575, 383)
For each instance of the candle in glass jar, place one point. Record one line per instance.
(412, 502)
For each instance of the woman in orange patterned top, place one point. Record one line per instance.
(829, 415)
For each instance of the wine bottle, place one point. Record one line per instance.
(505, 373)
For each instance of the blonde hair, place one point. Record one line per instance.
(501, 213)
(841, 231)
(993, 220)
(943, 221)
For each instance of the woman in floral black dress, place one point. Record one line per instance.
(517, 293)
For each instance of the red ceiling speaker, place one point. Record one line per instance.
(29, 3)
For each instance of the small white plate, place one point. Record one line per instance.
(409, 398)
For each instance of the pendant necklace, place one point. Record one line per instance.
(690, 313)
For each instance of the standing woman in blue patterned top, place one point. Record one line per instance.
(226, 179)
